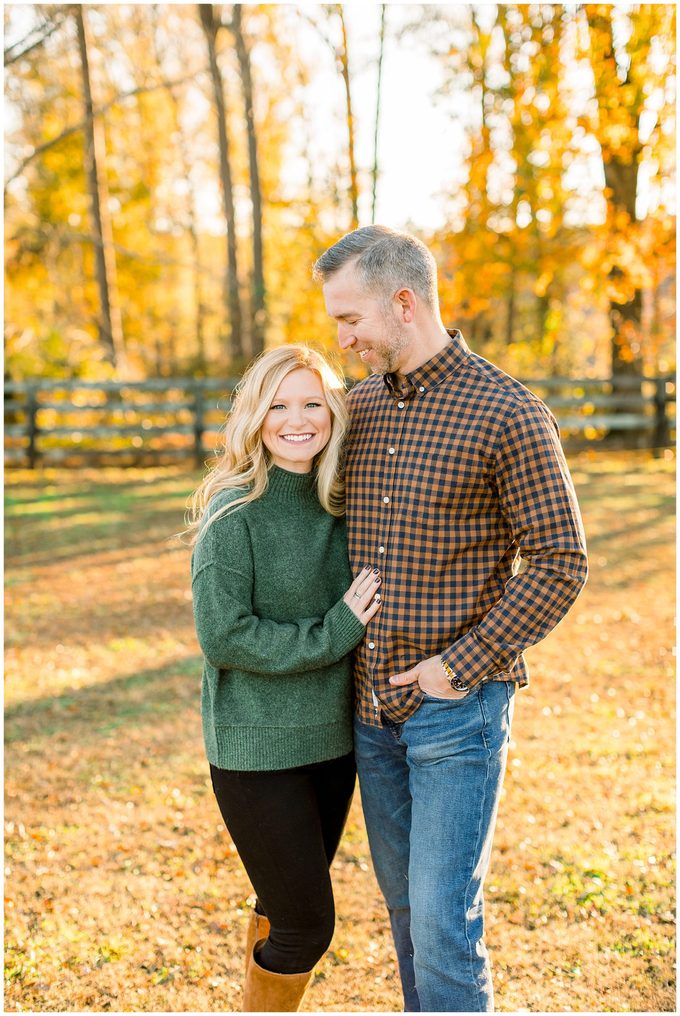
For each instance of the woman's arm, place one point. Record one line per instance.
(231, 636)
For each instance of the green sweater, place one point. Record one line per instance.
(267, 582)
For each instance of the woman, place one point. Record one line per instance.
(276, 621)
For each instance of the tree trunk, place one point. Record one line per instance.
(109, 323)
(625, 317)
(621, 174)
(192, 229)
(258, 287)
(232, 300)
(377, 111)
(343, 57)
(510, 305)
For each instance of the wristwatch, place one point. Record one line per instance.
(451, 677)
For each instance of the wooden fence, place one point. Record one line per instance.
(159, 421)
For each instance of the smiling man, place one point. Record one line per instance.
(454, 472)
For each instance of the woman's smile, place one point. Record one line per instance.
(299, 403)
(297, 438)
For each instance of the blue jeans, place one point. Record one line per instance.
(430, 789)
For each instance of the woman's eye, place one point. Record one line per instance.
(281, 405)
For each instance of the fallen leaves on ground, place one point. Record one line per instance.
(123, 891)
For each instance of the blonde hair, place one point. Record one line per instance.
(244, 462)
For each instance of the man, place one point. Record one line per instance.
(454, 473)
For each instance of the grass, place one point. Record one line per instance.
(123, 891)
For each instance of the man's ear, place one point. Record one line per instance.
(406, 303)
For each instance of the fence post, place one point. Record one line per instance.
(32, 426)
(199, 425)
(661, 436)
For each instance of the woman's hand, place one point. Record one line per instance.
(362, 597)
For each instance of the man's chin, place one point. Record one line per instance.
(376, 364)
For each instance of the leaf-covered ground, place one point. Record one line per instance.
(122, 889)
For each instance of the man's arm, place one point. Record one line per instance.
(537, 499)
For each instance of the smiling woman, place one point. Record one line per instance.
(298, 424)
(277, 615)
(280, 385)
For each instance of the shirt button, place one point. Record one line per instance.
(381, 550)
(421, 389)
(386, 500)
(391, 450)
(400, 404)
(371, 645)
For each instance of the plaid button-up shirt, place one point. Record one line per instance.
(458, 490)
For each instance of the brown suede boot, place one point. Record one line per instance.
(266, 991)
(258, 930)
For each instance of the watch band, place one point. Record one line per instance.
(451, 677)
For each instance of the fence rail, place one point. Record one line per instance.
(71, 422)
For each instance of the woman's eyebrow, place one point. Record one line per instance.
(307, 398)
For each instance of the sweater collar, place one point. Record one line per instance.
(288, 486)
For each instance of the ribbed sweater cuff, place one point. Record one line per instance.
(345, 630)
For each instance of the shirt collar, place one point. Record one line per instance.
(428, 375)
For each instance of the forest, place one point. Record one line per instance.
(173, 171)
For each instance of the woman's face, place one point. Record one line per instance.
(298, 424)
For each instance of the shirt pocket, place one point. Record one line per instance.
(441, 487)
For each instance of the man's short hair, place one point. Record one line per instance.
(385, 260)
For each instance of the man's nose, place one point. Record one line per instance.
(346, 336)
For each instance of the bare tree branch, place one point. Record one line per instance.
(50, 29)
(377, 111)
(97, 112)
(319, 30)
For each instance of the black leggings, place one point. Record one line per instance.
(286, 826)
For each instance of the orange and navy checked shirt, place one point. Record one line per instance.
(451, 481)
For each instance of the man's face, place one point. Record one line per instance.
(366, 323)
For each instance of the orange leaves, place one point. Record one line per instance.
(587, 886)
(542, 283)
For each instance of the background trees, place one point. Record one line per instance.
(173, 171)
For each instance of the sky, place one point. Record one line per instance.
(422, 135)
(420, 141)
(417, 140)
